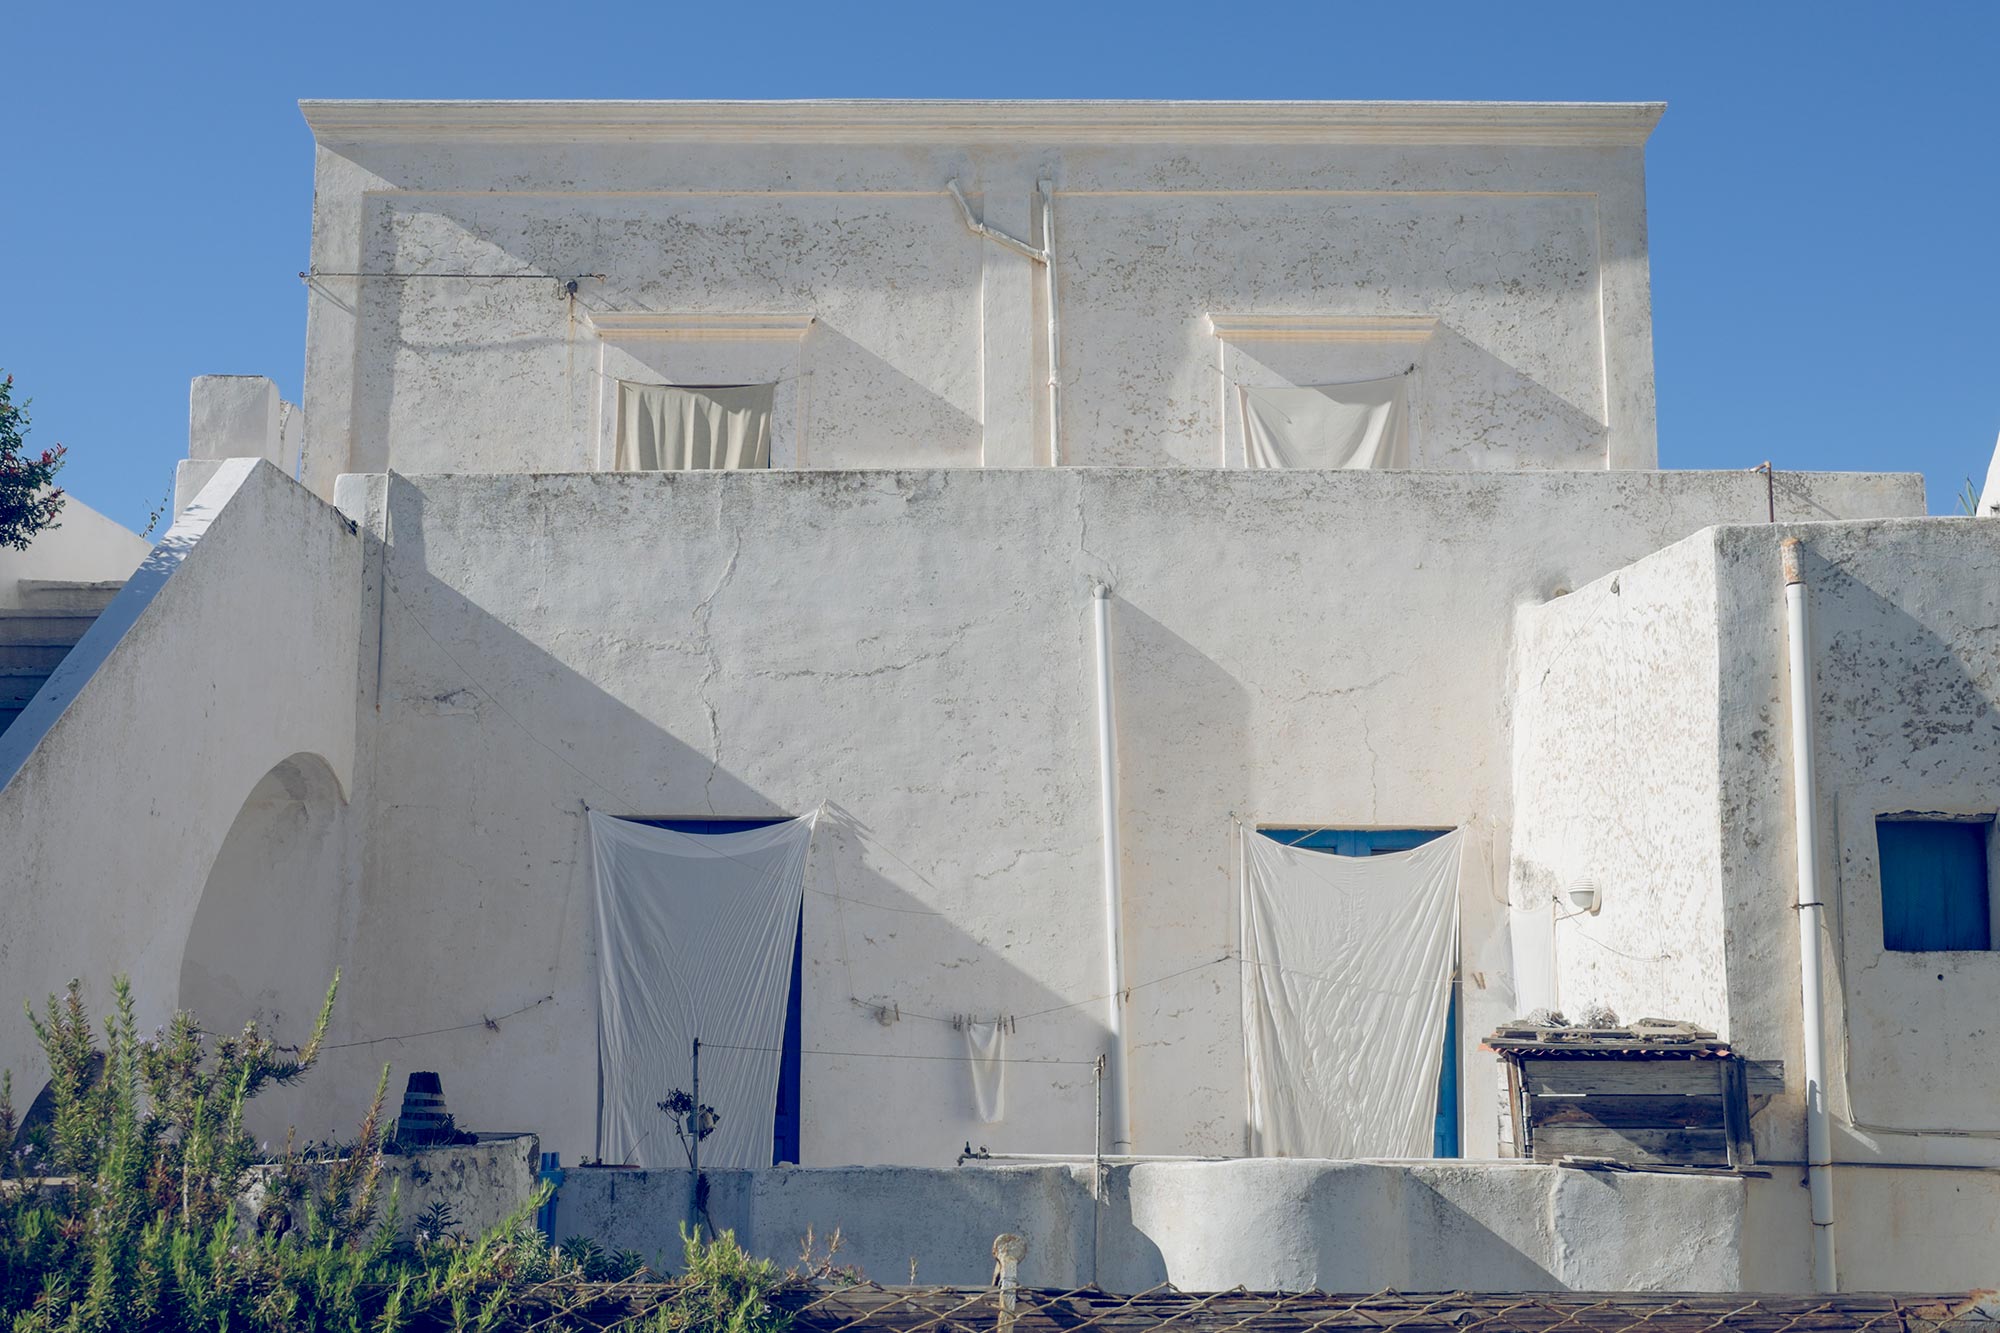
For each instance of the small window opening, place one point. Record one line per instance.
(693, 427)
(1936, 889)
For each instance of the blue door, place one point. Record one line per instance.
(785, 1133)
(1377, 842)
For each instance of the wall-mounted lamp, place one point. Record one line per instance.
(1586, 897)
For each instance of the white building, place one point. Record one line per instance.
(1350, 409)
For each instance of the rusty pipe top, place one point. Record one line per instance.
(1788, 552)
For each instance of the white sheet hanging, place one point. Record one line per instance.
(1359, 425)
(985, 1051)
(695, 935)
(668, 427)
(1347, 984)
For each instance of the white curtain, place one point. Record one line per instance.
(1347, 985)
(1360, 425)
(695, 936)
(666, 427)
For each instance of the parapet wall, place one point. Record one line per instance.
(1270, 1224)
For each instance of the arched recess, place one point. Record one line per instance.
(266, 933)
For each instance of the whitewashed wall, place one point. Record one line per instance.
(1520, 234)
(1907, 671)
(86, 548)
(229, 654)
(1617, 781)
(1666, 774)
(912, 649)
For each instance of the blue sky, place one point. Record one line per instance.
(1825, 188)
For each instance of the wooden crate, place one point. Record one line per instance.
(1685, 1106)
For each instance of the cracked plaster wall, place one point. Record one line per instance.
(1657, 759)
(1904, 620)
(926, 350)
(1617, 781)
(913, 649)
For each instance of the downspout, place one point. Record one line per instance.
(1114, 923)
(1048, 189)
(1812, 911)
(1045, 257)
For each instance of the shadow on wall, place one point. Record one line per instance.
(474, 927)
(1340, 1226)
(1173, 700)
(1905, 720)
(1475, 410)
(266, 932)
(484, 373)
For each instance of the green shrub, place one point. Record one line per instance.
(121, 1214)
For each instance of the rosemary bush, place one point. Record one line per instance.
(122, 1212)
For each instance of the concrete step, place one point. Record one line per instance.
(41, 657)
(17, 687)
(66, 594)
(33, 626)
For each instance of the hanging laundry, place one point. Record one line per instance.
(985, 1049)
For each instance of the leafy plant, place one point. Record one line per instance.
(29, 497)
(134, 1214)
(689, 1128)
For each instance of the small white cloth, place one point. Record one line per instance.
(1347, 981)
(985, 1052)
(1360, 425)
(695, 935)
(668, 428)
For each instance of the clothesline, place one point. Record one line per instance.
(900, 1012)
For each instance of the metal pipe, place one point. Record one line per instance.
(1080, 1159)
(1114, 924)
(1812, 911)
(1045, 256)
(1054, 352)
(694, 1149)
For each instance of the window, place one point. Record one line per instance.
(1382, 842)
(668, 427)
(785, 1133)
(1935, 890)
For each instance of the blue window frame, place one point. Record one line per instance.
(1378, 842)
(785, 1132)
(1935, 890)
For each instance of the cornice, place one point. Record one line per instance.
(353, 123)
(630, 324)
(1336, 328)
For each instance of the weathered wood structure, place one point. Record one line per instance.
(1655, 1094)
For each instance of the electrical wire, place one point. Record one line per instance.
(492, 1024)
(888, 1055)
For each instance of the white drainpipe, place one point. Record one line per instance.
(1114, 924)
(1812, 911)
(1045, 256)
(1048, 189)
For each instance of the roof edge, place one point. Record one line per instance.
(1603, 124)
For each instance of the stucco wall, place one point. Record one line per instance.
(230, 651)
(927, 342)
(1617, 784)
(913, 650)
(87, 547)
(1907, 669)
(1209, 1226)
(1666, 774)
